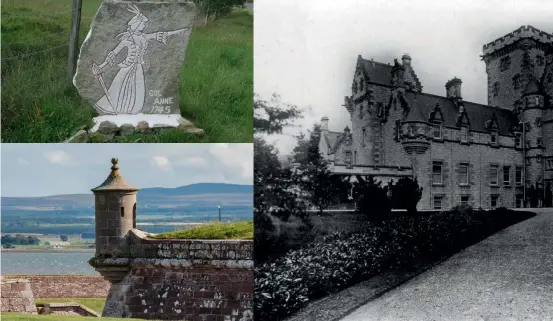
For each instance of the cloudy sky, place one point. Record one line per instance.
(51, 169)
(306, 50)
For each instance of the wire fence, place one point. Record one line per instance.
(49, 45)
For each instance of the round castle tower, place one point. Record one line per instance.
(115, 211)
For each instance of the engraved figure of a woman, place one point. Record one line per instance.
(127, 91)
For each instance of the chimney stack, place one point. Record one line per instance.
(324, 124)
(406, 60)
(453, 88)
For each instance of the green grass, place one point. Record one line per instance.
(213, 231)
(96, 304)
(25, 317)
(40, 105)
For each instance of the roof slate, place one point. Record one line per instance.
(377, 72)
(478, 114)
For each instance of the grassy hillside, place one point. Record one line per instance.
(40, 105)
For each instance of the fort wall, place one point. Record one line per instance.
(209, 280)
(66, 286)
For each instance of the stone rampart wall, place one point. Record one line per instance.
(67, 286)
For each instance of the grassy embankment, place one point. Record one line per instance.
(96, 304)
(40, 105)
(213, 231)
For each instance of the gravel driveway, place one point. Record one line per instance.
(508, 276)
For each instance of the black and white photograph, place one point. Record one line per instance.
(403, 160)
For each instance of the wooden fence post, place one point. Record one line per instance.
(74, 39)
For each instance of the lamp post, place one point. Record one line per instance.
(219, 207)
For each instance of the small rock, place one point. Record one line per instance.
(126, 130)
(185, 123)
(107, 127)
(80, 137)
(196, 131)
(143, 126)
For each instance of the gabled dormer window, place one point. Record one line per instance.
(540, 60)
(437, 130)
(361, 111)
(398, 130)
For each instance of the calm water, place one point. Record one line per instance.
(46, 263)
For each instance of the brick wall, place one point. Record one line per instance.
(67, 286)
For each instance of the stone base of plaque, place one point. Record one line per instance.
(109, 123)
(108, 128)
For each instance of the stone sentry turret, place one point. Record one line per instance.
(115, 204)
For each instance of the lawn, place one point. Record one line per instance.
(40, 105)
(213, 231)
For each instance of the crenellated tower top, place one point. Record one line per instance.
(524, 32)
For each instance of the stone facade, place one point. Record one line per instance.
(460, 152)
(193, 280)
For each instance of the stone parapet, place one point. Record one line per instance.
(512, 37)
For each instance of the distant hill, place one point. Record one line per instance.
(201, 188)
(156, 196)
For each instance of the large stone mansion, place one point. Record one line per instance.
(461, 152)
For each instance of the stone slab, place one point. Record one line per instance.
(132, 56)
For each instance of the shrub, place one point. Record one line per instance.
(214, 9)
(372, 199)
(462, 210)
(406, 194)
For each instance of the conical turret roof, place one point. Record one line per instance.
(115, 182)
